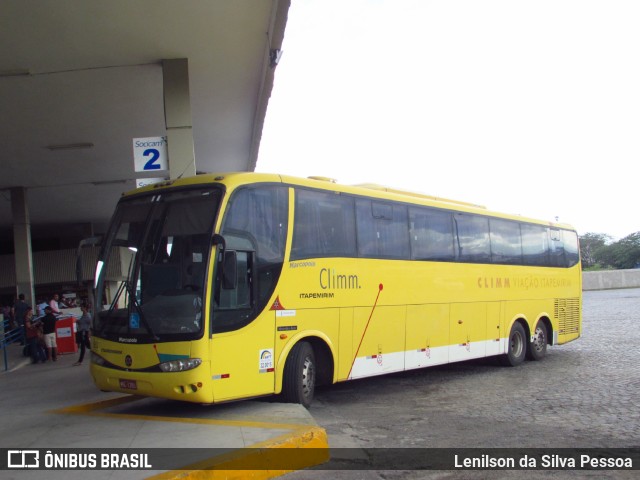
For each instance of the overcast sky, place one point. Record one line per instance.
(527, 107)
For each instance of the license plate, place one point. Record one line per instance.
(128, 384)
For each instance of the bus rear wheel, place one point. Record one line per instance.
(299, 378)
(538, 345)
(517, 348)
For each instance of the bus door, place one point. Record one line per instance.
(250, 257)
(242, 342)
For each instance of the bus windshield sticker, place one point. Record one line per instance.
(134, 320)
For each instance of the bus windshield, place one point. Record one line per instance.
(161, 242)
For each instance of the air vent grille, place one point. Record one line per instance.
(567, 312)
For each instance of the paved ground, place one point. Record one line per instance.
(56, 405)
(583, 394)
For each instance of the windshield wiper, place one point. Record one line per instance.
(126, 286)
(116, 297)
(134, 301)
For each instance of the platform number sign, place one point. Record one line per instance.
(150, 154)
(145, 182)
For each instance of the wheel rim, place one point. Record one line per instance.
(308, 377)
(539, 340)
(517, 344)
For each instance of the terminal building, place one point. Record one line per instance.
(81, 81)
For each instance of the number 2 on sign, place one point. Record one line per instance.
(155, 155)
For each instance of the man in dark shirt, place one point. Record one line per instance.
(19, 312)
(49, 330)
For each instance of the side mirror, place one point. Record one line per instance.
(87, 242)
(230, 270)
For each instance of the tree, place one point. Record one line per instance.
(624, 253)
(590, 245)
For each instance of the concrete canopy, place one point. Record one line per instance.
(90, 72)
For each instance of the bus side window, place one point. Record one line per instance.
(556, 257)
(535, 245)
(324, 225)
(431, 234)
(304, 241)
(571, 249)
(258, 215)
(506, 242)
(255, 221)
(383, 230)
(473, 238)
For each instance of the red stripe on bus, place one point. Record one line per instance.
(380, 287)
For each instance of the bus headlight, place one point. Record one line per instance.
(97, 359)
(180, 365)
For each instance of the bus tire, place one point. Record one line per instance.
(299, 378)
(517, 349)
(537, 348)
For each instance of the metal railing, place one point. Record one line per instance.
(8, 336)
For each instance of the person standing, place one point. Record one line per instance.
(83, 326)
(19, 311)
(49, 330)
(53, 304)
(40, 307)
(32, 334)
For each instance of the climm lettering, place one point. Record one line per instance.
(493, 282)
(330, 280)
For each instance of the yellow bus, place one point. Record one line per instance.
(241, 285)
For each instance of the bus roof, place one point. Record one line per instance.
(235, 179)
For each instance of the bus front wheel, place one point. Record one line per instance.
(538, 346)
(517, 348)
(299, 378)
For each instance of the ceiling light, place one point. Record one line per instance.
(70, 146)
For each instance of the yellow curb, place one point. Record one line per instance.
(306, 448)
(302, 446)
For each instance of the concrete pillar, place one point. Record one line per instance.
(22, 244)
(177, 114)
